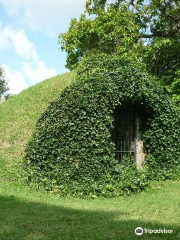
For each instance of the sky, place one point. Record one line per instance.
(29, 29)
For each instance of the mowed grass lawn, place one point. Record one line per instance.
(30, 215)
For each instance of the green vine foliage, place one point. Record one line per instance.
(71, 151)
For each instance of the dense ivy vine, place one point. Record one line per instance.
(71, 151)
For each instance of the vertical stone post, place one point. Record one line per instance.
(2, 99)
(139, 152)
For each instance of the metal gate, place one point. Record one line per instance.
(123, 134)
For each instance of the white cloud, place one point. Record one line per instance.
(38, 73)
(47, 16)
(4, 40)
(12, 7)
(18, 41)
(33, 70)
(16, 81)
(22, 46)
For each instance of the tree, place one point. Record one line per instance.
(111, 31)
(3, 83)
(146, 31)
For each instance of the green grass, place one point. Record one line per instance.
(19, 114)
(30, 215)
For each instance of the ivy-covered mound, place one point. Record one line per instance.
(71, 151)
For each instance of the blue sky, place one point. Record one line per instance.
(29, 29)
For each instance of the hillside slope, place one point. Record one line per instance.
(19, 114)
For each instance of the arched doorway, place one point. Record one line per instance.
(126, 134)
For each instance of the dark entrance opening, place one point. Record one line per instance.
(124, 132)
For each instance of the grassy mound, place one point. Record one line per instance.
(33, 215)
(19, 114)
(71, 151)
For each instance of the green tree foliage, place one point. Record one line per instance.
(71, 151)
(3, 83)
(147, 31)
(111, 31)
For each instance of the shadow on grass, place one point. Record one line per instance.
(21, 220)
